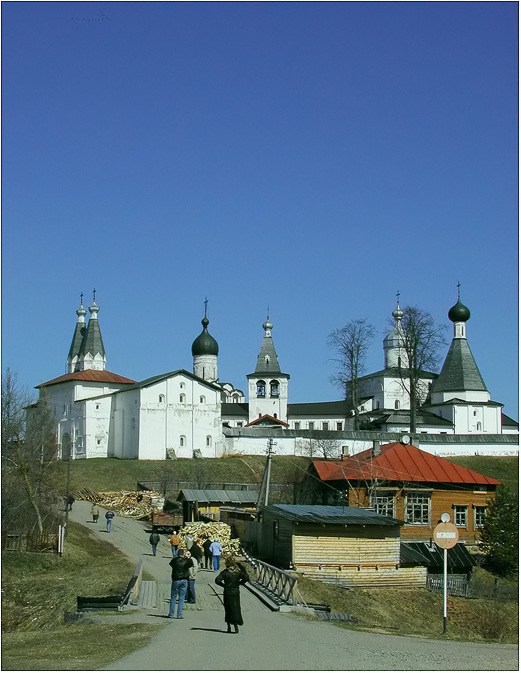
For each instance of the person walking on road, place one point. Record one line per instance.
(94, 510)
(216, 551)
(70, 502)
(109, 516)
(231, 579)
(180, 566)
(207, 554)
(154, 540)
(175, 541)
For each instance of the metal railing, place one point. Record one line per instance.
(278, 583)
(458, 586)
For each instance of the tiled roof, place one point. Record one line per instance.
(330, 514)
(459, 371)
(97, 376)
(399, 462)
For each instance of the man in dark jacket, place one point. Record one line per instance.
(154, 540)
(207, 554)
(196, 551)
(180, 566)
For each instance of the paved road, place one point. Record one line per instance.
(270, 640)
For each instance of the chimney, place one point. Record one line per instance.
(376, 448)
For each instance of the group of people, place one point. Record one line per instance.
(109, 515)
(184, 568)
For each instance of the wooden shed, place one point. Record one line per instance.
(346, 545)
(207, 502)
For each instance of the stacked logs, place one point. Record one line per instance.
(133, 504)
(214, 530)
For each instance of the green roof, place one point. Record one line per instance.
(460, 371)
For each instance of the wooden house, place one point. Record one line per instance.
(401, 481)
(350, 546)
(206, 503)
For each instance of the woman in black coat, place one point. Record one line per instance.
(231, 579)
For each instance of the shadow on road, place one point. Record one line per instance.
(201, 628)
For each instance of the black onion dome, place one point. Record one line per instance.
(459, 313)
(205, 344)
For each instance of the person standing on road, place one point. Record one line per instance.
(180, 566)
(231, 579)
(175, 541)
(207, 554)
(94, 510)
(216, 550)
(197, 552)
(70, 502)
(154, 540)
(192, 572)
(109, 516)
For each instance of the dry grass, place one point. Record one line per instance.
(418, 612)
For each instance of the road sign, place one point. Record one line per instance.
(446, 535)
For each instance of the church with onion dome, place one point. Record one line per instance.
(183, 414)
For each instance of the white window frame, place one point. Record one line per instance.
(384, 502)
(411, 507)
(461, 515)
(482, 515)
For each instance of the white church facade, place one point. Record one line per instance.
(182, 414)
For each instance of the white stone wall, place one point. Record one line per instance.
(205, 367)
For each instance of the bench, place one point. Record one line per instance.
(85, 603)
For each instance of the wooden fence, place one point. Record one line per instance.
(34, 541)
(458, 586)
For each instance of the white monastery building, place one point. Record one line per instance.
(182, 414)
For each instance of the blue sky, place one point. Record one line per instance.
(310, 157)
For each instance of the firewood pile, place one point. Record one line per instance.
(132, 504)
(214, 530)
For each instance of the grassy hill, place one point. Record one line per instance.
(111, 474)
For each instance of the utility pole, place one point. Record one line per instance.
(268, 470)
(265, 484)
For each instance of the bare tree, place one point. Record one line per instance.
(350, 344)
(29, 455)
(422, 342)
(321, 447)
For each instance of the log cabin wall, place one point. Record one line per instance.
(441, 500)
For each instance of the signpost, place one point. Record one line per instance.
(446, 536)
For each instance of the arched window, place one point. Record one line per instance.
(161, 399)
(208, 440)
(181, 385)
(479, 426)
(274, 388)
(182, 398)
(396, 404)
(261, 388)
(274, 415)
(202, 399)
(182, 440)
(235, 398)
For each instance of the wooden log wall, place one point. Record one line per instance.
(367, 576)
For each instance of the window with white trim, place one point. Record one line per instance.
(297, 425)
(311, 425)
(460, 515)
(325, 425)
(182, 398)
(161, 399)
(383, 502)
(182, 440)
(480, 514)
(418, 509)
(208, 440)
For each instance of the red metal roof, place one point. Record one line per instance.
(271, 418)
(399, 462)
(89, 375)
